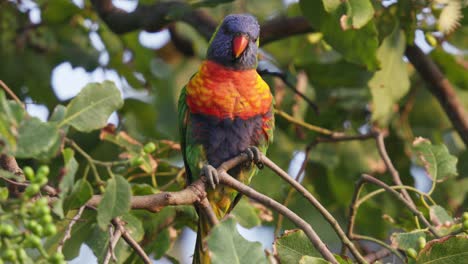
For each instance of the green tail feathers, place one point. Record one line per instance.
(201, 254)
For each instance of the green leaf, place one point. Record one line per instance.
(445, 250)
(312, 260)
(91, 108)
(58, 114)
(404, 241)
(338, 74)
(59, 11)
(358, 13)
(80, 194)
(134, 226)
(209, 3)
(245, 214)
(36, 139)
(390, 83)
(357, 46)
(11, 114)
(436, 159)
(226, 245)
(439, 215)
(115, 201)
(293, 245)
(71, 166)
(454, 71)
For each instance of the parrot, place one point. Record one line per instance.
(225, 109)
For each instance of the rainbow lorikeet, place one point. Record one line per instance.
(225, 109)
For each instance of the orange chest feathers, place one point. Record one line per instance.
(225, 93)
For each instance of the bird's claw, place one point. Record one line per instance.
(211, 174)
(253, 154)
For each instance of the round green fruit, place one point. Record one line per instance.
(29, 173)
(412, 253)
(32, 190)
(50, 229)
(149, 148)
(9, 255)
(136, 161)
(421, 242)
(43, 170)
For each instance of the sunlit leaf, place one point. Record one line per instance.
(436, 160)
(357, 46)
(358, 13)
(245, 214)
(226, 245)
(404, 241)
(390, 83)
(293, 245)
(91, 108)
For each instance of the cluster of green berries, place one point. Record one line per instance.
(465, 221)
(25, 222)
(147, 149)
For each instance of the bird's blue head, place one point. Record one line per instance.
(235, 42)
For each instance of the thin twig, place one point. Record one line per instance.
(323, 211)
(388, 163)
(409, 205)
(113, 240)
(228, 180)
(380, 254)
(69, 228)
(130, 241)
(303, 124)
(381, 243)
(11, 93)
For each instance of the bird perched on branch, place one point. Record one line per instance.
(225, 109)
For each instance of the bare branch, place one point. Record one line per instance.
(11, 93)
(388, 163)
(155, 202)
(324, 212)
(374, 256)
(410, 206)
(114, 239)
(9, 163)
(69, 228)
(441, 88)
(130, 241)
(228, 180)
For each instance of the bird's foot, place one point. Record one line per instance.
(211, 175)
(254, 154)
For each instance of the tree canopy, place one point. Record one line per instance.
(371, 102)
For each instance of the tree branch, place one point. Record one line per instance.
(379, 138)
(228, 180)
(155, 202)
(410, 206)
(324, 212)
(130, 241)
(69, 228)
(441, 88)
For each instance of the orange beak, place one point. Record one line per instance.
(239, 43)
